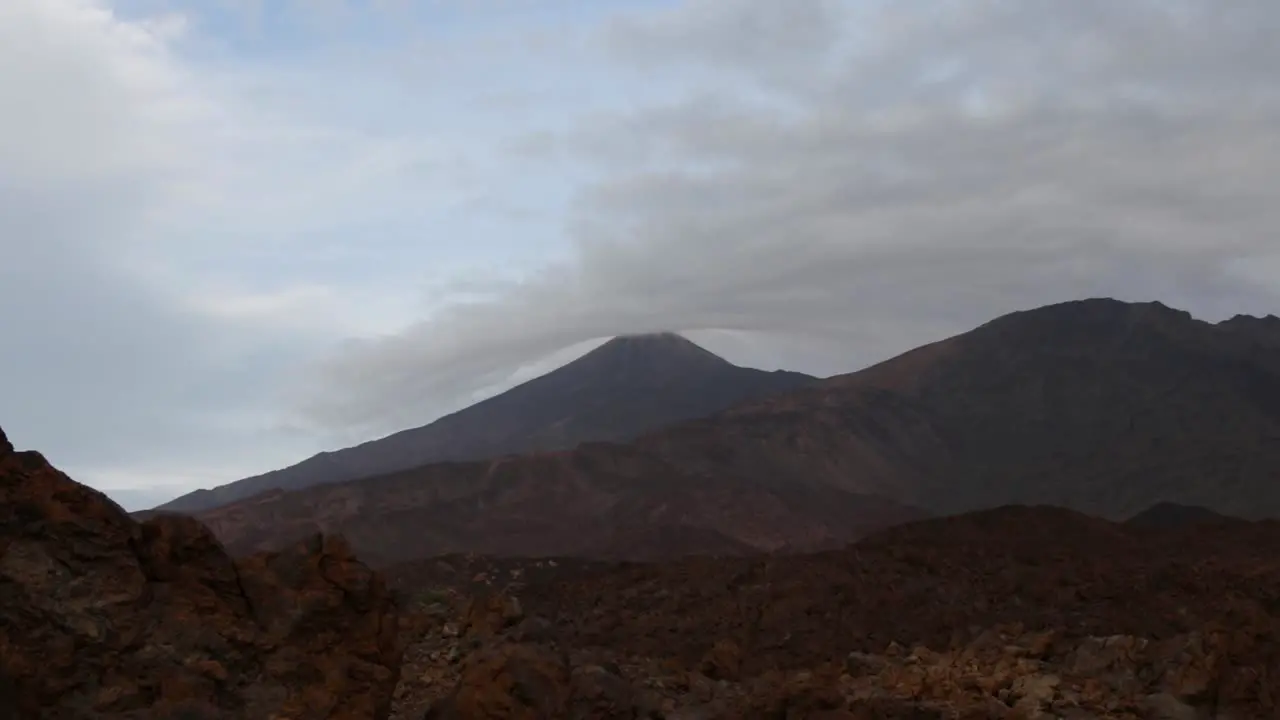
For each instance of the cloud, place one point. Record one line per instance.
(878, 176)
(162, 235)
(197, 198)
(104, 138)
(236, 233)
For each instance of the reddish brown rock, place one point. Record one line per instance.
(508, 681)
(1010, 614)
(102, 617)
(723, 660)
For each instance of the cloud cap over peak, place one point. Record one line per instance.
(878, 176)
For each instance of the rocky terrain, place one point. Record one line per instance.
(103, 617)
(1100, 406)
(1017, 613)
(628, 386)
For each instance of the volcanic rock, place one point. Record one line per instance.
(103, 617)
(1013, 614)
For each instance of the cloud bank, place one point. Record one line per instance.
(233, 234)
(854, 179)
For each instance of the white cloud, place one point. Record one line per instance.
(158, 221)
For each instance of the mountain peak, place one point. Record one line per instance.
(1240, 320)
(657, 340)
(630, 385)
(653, 352)
(659, 336)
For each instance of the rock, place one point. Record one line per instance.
(1163, 706)
(533, 630)
(508, 681)
(489, 614)
(103, 617)
(858, 664)
(599, 693)
(921, 624)
(723, 661)
(1034, 691)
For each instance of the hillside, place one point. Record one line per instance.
(599, 500)
(1172, 516)
(629, 385)
(1097, 405)
(1101, 406)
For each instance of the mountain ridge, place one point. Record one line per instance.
(1091, 383)
(629, 385)
(1099, 406)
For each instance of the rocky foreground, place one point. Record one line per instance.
(1026, 613)
(103, 617)
(1013, 613)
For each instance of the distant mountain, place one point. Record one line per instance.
(628, 386)
(1097, 405)
(1100, 406)
(1172, 516)
(599, 500)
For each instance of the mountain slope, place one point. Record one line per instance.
(629, 385)
(599, 500)
(1172, 516)
(1100, 406)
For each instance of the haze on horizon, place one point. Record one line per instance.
(235, 233)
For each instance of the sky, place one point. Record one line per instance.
(234, 233)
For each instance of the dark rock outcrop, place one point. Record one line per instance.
(103, 617)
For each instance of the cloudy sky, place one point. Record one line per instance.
(237, 232)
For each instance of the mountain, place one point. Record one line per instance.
(629, 385)
(105, 617)
(1097, 405)
(1168, 516)
(599, 500)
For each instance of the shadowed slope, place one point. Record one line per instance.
(627, 386)
(1101, 406)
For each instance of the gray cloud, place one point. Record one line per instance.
(810, 184)
(941, 164)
